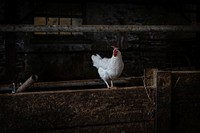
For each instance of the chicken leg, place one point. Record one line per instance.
(111, 83)
(106, 83)
(111, 86)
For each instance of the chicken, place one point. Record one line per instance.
(109, 68)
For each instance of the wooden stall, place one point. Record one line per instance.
(167, 101)
(185, 101)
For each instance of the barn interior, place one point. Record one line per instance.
(51, 42)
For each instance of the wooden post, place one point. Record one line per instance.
(163, 102)
(150, 76)
(150, 81)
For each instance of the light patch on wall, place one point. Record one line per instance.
(77, 22)
(52, 21)
(58, 21)
(65, 22)
(39, 21)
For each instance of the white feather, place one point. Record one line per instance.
(108, 68)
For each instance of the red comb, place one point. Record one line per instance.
(113, 46)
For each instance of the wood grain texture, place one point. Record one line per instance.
(55, 110)
(163, 102)
(186, 102)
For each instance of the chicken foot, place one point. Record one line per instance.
(106, 83)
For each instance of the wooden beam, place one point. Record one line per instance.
(75, 84)
(100, 28)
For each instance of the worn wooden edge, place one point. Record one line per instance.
(134, 127)
(182, 72)
(150, 75)
(80, 90)
(185, 80)
(75, 84)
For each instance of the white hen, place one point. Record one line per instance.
(109, 68)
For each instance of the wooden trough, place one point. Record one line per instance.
(153, 107)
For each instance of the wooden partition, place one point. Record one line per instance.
(99, 110)
(172, 106)
(185, 102)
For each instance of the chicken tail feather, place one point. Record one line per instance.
(95, 59)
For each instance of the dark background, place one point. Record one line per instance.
(67, 57)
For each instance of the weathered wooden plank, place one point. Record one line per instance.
(125, 81)
(54, 110)
(186, 118)
(100, 28)
(163, 102)
(185, 72)
(185, 79)
(109, 128)
(185, 101)
(185, 87)
(76, 84)
(151, 77)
